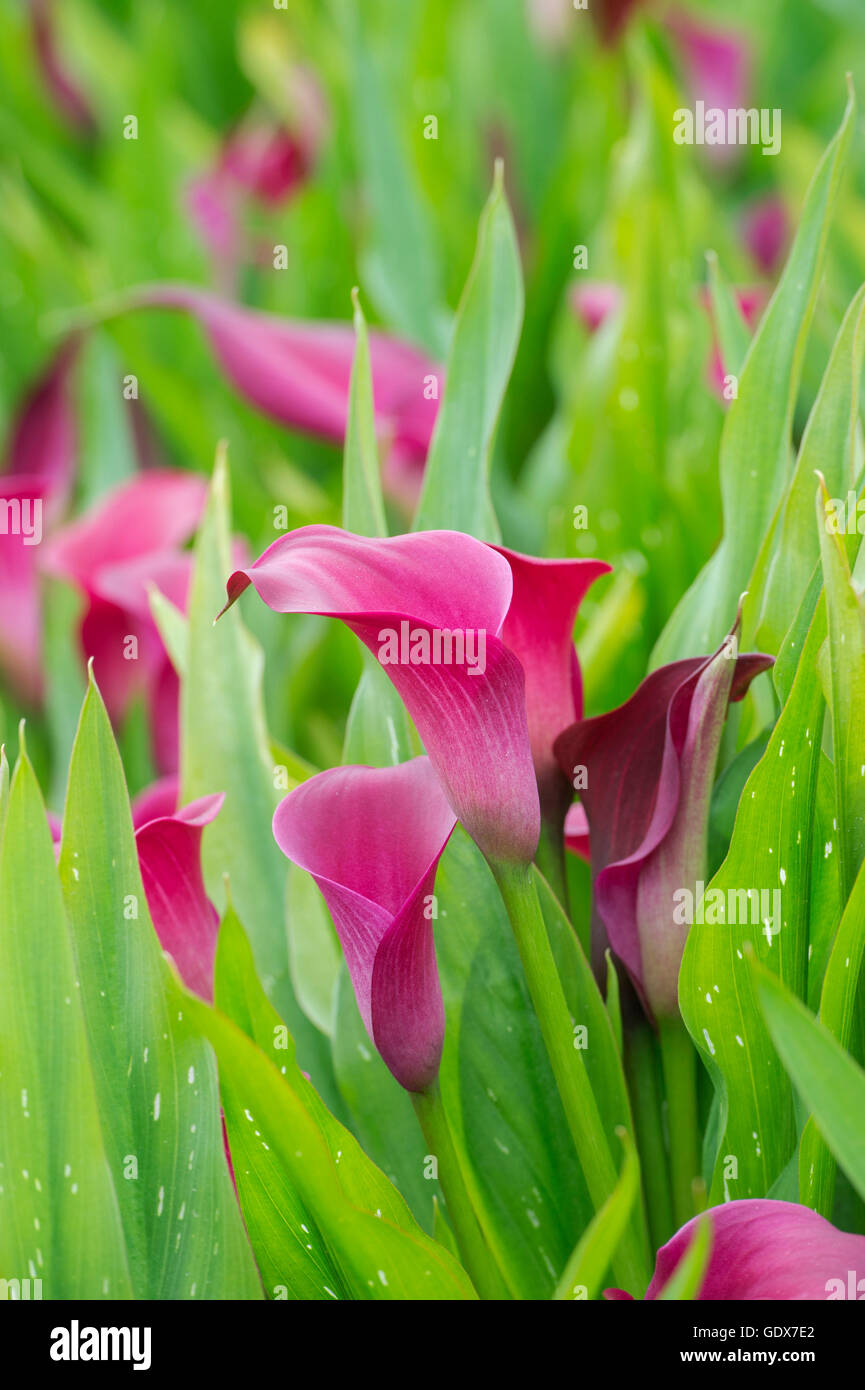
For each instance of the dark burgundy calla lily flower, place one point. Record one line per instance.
(486, 671)
(372, 838)
(128, 540)
(39, 468)
(649, 769)
(762, 1250)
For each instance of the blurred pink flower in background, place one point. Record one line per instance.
(298, 371)
(262, 163)
(39, 469)
(716, 66)
(594, 300)
(766, 233)
(128, 540)
(65, 93)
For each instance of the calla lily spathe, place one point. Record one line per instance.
(298, 373)
(480, 724)
(184, 918)
(38, 473)
(168, 843)
(128, 540)
(649, 770)
(763, 1250)
(372, 838)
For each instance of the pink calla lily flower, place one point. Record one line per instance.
(168, 842)
(184, 918)
(538, 629)
(298, 373)
(449, 619)
(39, 468)
(128, 540)
(648, 770)
(157, 800)
(372, 838)
(764, 1250)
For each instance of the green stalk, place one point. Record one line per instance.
(550, 859)
(476, 1254)
(519, 894)
(645, 1095)
(679, 1062)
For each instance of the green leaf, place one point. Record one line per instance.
(313, 947)
(64, 685)
(381, 1112)
(828, 444)
(362, 502)
(733, 335)
(59, 1215)
(4, 789)
(456, 493)
(614, 1005)
(378, 731)
(401, 267)
(846, 650)
(155, 1078)
(584, 1273)
(828, 1080)
(837, 1009)
(323, 1220)
(756, 439)
(685, 1282)
(224, 747)
(771, 850)
(499, 1090)
(173, 627)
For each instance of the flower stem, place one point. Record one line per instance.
(679, 1062)
(476, 1254)
(517, 886)
(550, 859)
(642, 1071)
